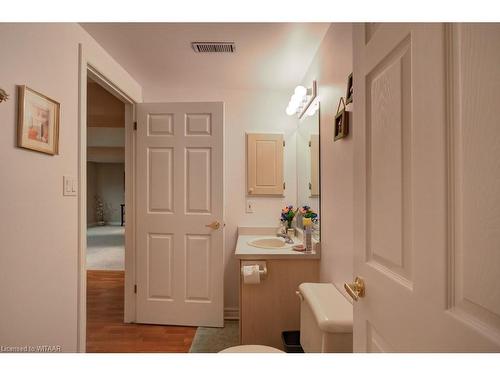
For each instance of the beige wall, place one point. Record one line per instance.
(38, 228)
(251, 111)
(107, 181)
(111, 188)
(330, 67)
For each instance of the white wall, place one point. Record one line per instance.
(245, 111)
(330, 67)
(38, 227)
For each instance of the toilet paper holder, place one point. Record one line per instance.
(262, 270)
(299, 294)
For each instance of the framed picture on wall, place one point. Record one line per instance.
(37, 122)
(341, 121)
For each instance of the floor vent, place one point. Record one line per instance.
(213, 47)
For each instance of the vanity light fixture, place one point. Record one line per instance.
(301, 102)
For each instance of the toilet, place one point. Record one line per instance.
(251, 349)
(325, 322)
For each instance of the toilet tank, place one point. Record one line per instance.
(325, 319)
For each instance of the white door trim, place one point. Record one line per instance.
(98, 67)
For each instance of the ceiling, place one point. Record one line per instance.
(271, 56)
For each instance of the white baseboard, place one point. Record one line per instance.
(231, 313)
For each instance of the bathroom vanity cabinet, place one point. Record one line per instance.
(271, 307)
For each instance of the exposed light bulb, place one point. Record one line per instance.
(300, 91)
(290, 111)
(296, 99)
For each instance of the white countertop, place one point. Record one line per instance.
(246, 251)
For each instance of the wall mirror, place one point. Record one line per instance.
(308, 163)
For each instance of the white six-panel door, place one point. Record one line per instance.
(179, 203)
(427, 180)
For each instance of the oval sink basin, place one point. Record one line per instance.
(270, 243)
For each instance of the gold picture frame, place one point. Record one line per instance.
(37, 121)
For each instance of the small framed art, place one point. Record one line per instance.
(37, 122)
(341, 121)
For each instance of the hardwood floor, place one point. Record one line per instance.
(106, 332)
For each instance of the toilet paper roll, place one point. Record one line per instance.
(251, 274)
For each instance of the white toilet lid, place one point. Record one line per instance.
(251, 349)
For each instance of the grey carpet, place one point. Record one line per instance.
(213, 340)
(105, 248)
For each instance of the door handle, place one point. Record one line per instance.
(215, 225)
(356, 289)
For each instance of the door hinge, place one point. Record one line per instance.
(310, 186)
(283, 143)
(135, 288)
(309, 143)
(135, 125)
(284, 186)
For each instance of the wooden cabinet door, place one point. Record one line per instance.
(265, 164)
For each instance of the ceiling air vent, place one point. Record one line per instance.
(214, 47)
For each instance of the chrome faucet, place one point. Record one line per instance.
(286, 237)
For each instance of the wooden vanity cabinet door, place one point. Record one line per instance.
(271, 307)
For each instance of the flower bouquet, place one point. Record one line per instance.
(287, 215)
(308, 216)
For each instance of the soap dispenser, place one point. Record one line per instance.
(307, 234)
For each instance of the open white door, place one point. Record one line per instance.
(180, 214)
(427, 180)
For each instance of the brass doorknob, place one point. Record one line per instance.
(215, 225)
(356, 289)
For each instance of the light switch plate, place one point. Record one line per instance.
(69, 186)
(249, 208)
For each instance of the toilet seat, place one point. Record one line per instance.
(251, 349)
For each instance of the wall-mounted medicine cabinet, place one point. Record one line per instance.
(265, 164)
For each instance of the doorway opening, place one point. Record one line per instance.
(105, 235)
(107, 311)
(105, 180)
